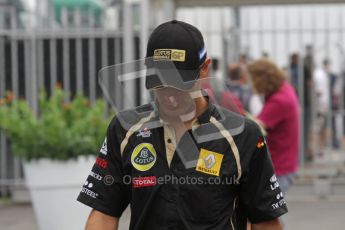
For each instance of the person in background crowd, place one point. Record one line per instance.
(237, 85)
(255, 103)
(215, 64)
(279, 117)
(335, 92)
(231, 102)
(308, 69)
(322, 89)
(265, 54)
(294, 70)
(244, 59)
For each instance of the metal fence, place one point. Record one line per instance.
(69, 54)
(281, 31)
(278, 31)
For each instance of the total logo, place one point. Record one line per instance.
(86, 190)
(139, 182)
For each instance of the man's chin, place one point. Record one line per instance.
(188, 116)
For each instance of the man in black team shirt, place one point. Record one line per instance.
(181, 162)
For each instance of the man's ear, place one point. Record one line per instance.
(205, 68)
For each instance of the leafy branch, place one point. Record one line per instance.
(60, 131)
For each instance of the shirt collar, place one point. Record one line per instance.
(206, 115)
(203, 118)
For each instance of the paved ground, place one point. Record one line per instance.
(17, 217)
(306, 211)
(316, 215)
(304, 215)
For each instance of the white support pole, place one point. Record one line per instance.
(3, 144)
(79, 52)
(66, 53)
(15, 78)
(163, 11)
(34, 77)
(144, 34)
(92, 59)
(237, 30)
(128, 51)
(169, 9)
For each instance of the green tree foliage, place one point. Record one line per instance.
(59, 131)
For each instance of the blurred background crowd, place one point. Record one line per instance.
(292, 49)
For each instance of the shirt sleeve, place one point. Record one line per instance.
(104, 190)
(272, 114)
(260, 193)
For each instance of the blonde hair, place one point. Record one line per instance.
(266, 76)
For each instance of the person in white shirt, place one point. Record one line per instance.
(322, 90)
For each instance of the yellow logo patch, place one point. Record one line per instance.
(144, 156)
(209, 162)
(169, 54)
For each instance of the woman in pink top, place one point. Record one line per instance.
(279, 117)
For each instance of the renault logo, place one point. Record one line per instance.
(210, 160)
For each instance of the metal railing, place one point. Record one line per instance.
(32, 59)
(280, 31)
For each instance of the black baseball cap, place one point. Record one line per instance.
(175, 53)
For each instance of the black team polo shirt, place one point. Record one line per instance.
(219, 174)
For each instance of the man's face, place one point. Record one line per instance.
(175, 104)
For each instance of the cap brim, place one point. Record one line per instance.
(179, 79)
